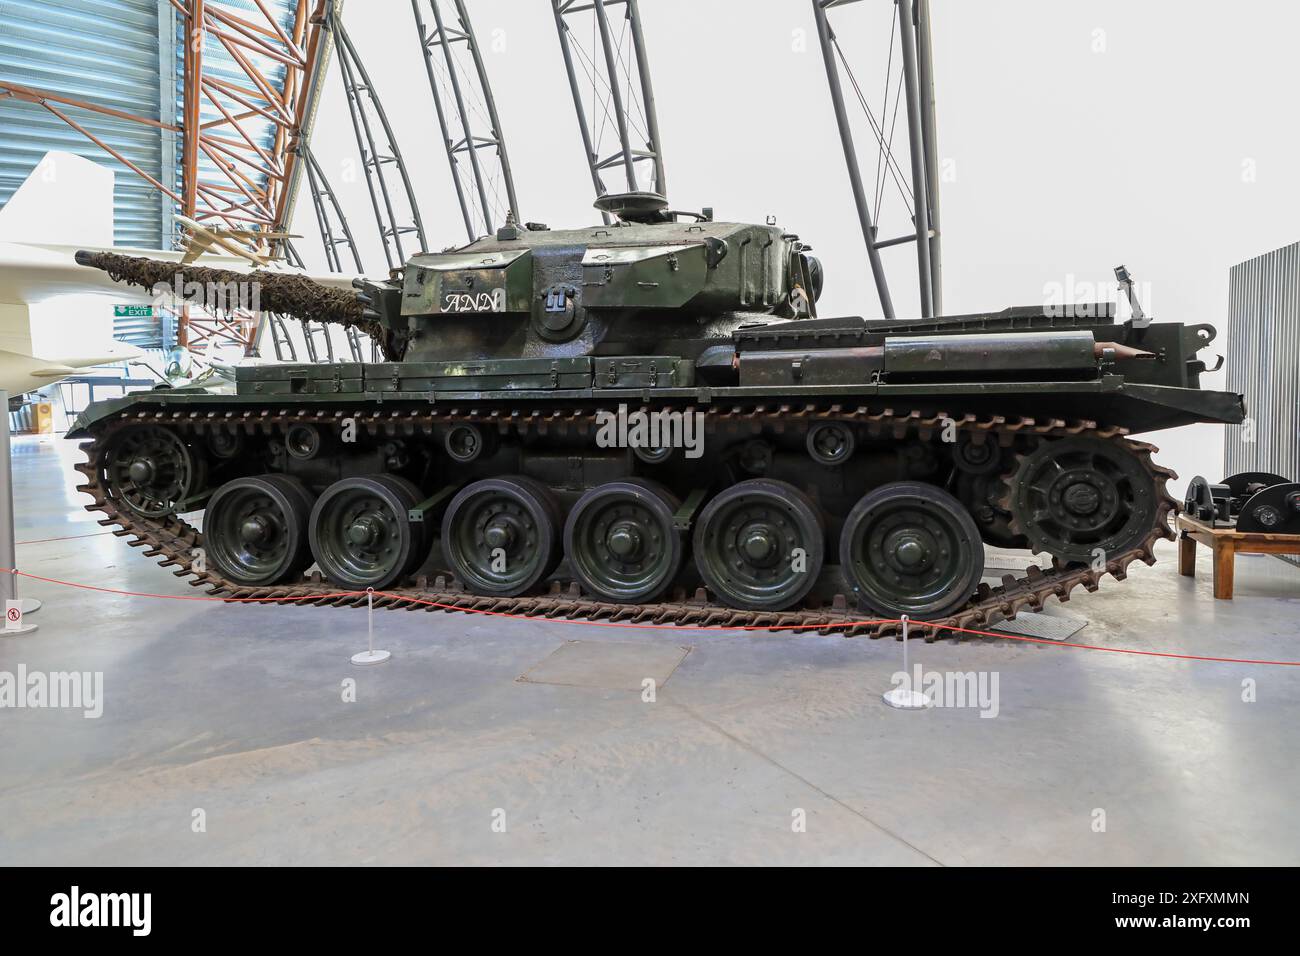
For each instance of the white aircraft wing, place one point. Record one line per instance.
(57, 316)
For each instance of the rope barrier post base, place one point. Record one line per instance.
(15, 620)
(16, 608)
(906, 696)
(370, 655)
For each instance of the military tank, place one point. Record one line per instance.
(649, 421)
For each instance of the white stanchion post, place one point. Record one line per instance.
(906, 696)
(370, 655)
(16, 609)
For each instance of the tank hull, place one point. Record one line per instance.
(553, 438)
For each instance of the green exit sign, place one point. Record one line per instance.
(133, 312)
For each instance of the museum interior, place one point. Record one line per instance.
(512, 432)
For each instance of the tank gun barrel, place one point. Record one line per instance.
(261, 290)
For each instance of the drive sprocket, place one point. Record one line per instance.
(1082, 499)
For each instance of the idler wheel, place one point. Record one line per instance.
(621, 543)
(501, 536)
(759, 545)
(255, 530)
(151, 470)
(911, 548)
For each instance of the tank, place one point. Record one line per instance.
(649, 421)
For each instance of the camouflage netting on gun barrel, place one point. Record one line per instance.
(283, 293)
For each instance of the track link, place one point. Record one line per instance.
(175, 542)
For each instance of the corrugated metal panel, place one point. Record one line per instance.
(106, 51)
(1264, 363)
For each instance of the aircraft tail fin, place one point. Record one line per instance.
(66, 200)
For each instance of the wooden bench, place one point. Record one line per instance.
(1225, 543)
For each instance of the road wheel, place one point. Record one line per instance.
(621, 542)
(911, 548)
(759, 545)
(502, 535)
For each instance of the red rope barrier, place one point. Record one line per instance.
(66, 537)
(628, 624)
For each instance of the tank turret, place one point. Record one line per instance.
(628, 288)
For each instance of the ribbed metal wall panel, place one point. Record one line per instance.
(1264, 363)
(105, 51)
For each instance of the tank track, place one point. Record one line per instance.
(172, 540)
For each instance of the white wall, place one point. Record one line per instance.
(1068, 158)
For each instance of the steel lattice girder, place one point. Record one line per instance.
(249, 84)
(620, 92)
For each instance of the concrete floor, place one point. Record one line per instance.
(238, 711)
